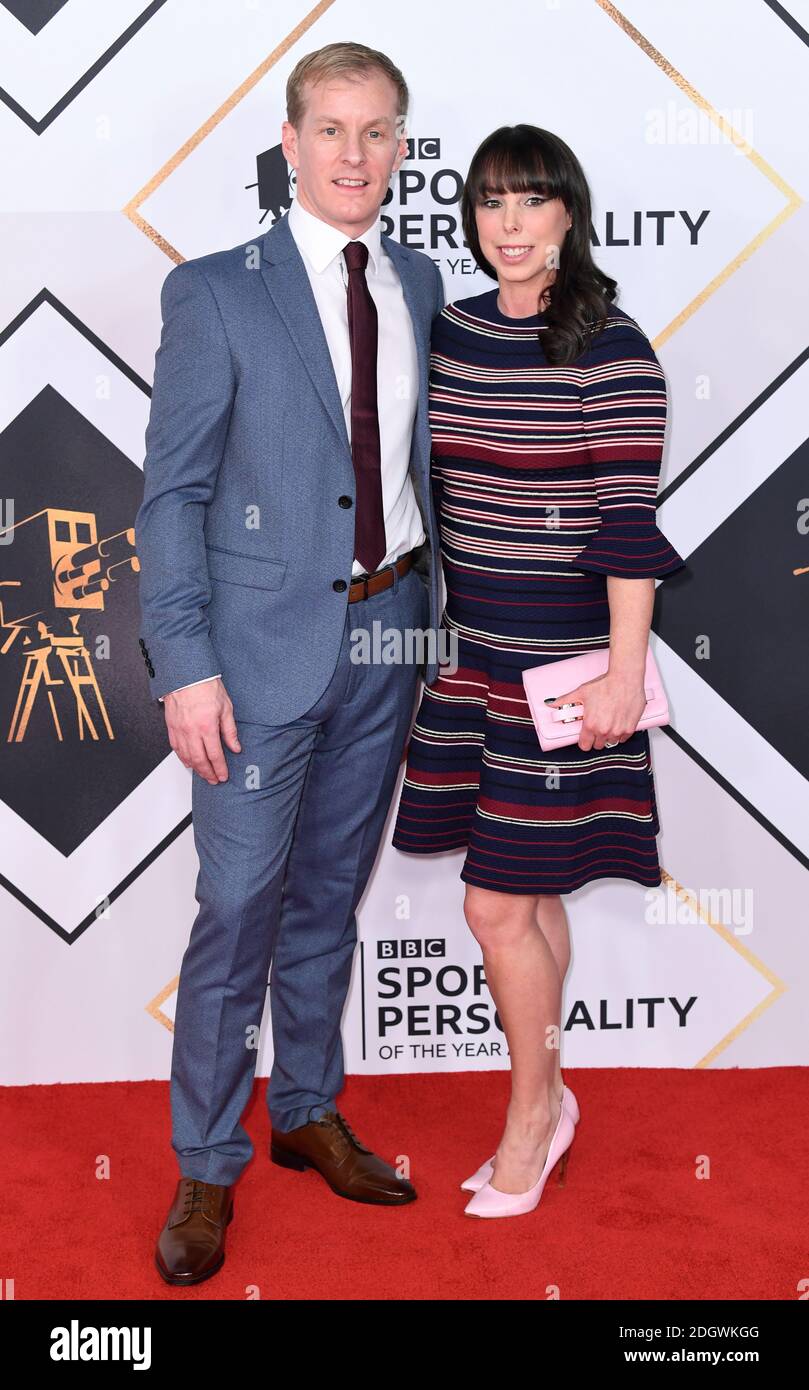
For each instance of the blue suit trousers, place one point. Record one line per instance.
(286, 846)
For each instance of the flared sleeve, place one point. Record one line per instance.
(624, 407)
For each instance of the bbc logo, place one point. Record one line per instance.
(426, 147)
(411, 949)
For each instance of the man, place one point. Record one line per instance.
(287, 505)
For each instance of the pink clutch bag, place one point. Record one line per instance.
(558, 727)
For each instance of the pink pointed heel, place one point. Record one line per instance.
(475, 1183)
(489, 1201)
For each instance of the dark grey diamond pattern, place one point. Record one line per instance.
(34, 14)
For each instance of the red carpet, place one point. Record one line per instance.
(632, 1221)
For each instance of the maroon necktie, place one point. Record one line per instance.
(369, 519)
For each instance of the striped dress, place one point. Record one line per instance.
(545, 481)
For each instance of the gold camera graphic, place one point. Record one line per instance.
(62, 570)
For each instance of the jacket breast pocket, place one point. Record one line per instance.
(251, 571)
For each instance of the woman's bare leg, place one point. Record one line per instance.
(552, 921)
(526, 985)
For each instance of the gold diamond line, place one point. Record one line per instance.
(131, 208)
(778, 986)
(793, 200)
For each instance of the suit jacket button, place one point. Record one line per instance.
(339, 586)
(345, 502)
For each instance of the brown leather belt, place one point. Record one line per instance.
(372, 584)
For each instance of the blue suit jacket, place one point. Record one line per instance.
(240, 536)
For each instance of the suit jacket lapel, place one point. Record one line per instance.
(402, 256)
(285, 277)
(401, 259)
(284, 274)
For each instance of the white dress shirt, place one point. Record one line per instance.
(397, 384)
(397, 377)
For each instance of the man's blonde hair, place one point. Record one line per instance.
(340, 60)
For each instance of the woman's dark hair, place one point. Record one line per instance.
(526, 159)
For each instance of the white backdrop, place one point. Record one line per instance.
(135, 136)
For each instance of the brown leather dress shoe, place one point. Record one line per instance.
(335, 1152)
(191, 1245)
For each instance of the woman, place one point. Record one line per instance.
(548, 412)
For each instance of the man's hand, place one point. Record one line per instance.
(195, 717)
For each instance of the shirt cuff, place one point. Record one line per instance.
(190, 683)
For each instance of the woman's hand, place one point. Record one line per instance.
(613, 704)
